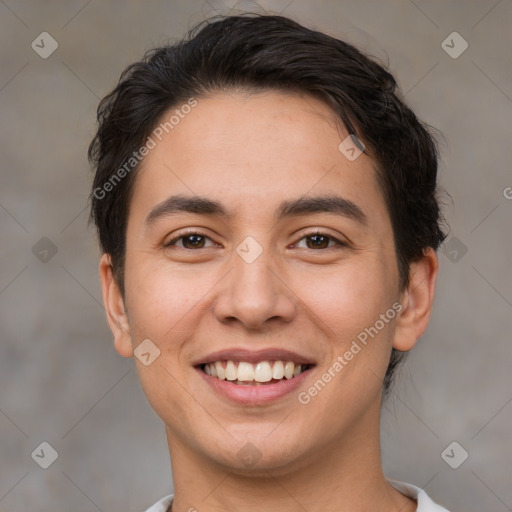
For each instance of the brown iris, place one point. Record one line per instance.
(196, 241)
(319, 241)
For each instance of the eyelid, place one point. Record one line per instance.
(304, 234)
(185, 233)
(339, 241)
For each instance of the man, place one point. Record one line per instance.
(266, 208)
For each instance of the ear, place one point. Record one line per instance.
(114, 304)
(417, 301)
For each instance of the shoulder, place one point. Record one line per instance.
(161, 505)
(425, 504)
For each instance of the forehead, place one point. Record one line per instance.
(254, 150)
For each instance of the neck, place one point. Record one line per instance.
(344, 476)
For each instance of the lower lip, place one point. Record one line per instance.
(254, 394)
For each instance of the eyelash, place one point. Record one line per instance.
(306, 235)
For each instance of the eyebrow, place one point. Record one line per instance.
(289, 208)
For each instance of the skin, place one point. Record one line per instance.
(250, 152)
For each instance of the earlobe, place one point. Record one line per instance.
(417, 301)
(114, 305)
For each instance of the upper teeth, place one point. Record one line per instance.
(261, 372)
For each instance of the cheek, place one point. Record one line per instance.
(162, 298)
(164, 304)
(348, 299)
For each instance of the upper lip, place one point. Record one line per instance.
(254, 356)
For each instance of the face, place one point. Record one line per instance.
(260, 268)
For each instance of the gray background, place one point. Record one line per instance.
(61, 380)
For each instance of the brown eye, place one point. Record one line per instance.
(189, 241)
(193, 241)
(320, 241)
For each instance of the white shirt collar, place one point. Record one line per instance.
(425, 504)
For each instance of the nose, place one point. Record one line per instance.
(254, 293)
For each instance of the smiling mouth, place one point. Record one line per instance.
(244, 373)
